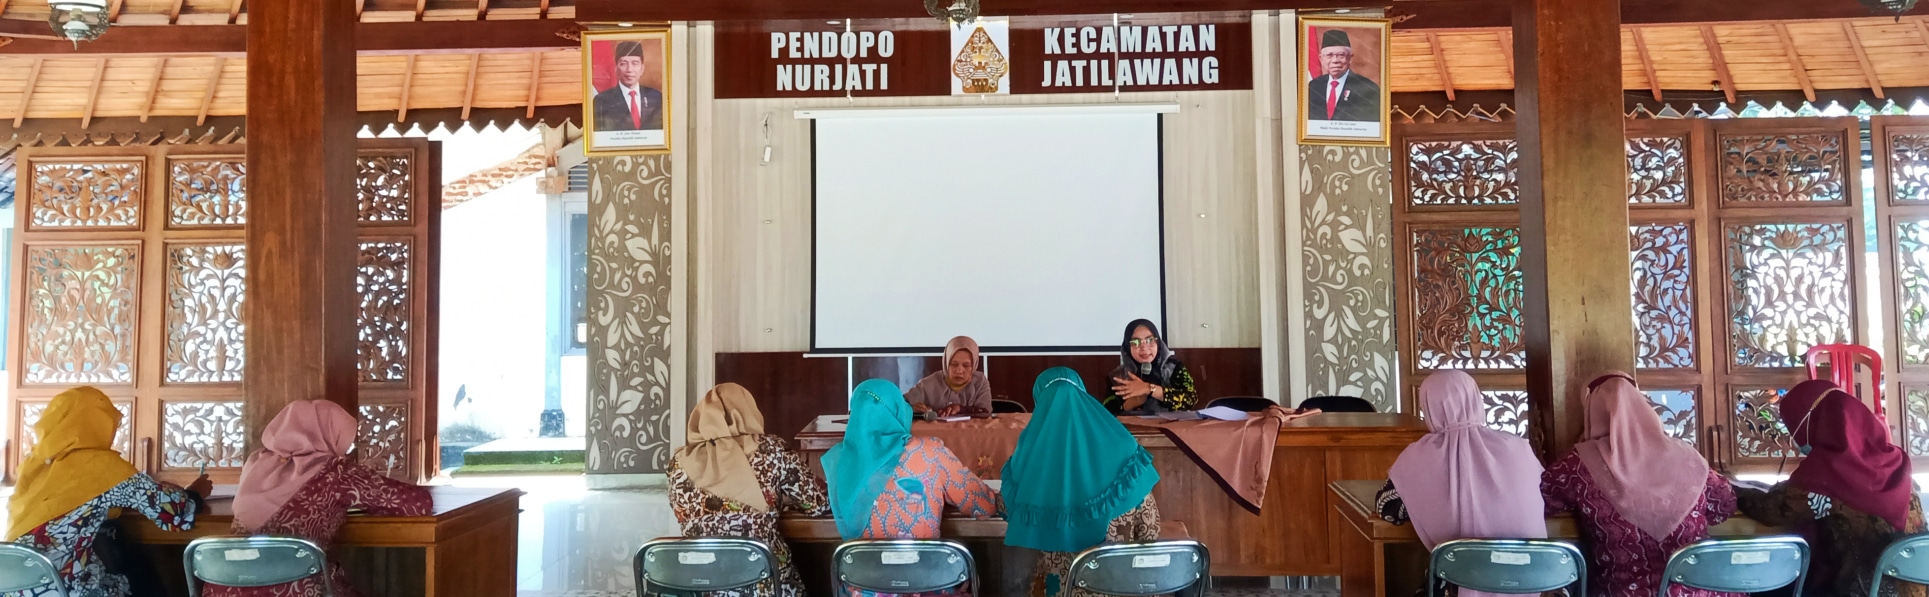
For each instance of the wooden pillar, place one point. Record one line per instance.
(1574, 215)
(300, 302)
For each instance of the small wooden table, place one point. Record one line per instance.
(465, 547)
(1379, 558)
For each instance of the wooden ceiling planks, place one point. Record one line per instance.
(218, 12)
(1804, 56)
(207, 87)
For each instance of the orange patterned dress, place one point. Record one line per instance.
(927, 479)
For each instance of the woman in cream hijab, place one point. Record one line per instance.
(957, 387)
(731, 480)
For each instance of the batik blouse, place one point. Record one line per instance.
(1180, 392)
(1622, 561)
(788, 486)
(319, 510)
(1848, 541)
(69, 540)
(927, 479)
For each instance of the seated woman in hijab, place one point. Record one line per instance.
(731, 480)
(1852, 485)
(1468, 481)
(70, 481)
(1638, 493)
(1077, 479)
(958, 388)
(301, 483)
(886, 484)
(1149, 379)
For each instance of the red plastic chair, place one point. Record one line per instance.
(1859, 357)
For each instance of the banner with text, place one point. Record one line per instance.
(914, 57)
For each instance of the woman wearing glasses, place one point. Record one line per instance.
(1149, 379)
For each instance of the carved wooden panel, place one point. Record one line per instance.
(1467, 293)
(30, 414)
(79, 312)
(383, 439)
(1908, 168)
(1804, 167)
(1677, 409)
(1662, 257)
(1912, 290)
(197, 433)
(1759, 432)
(1506, 411)
(385, 186)
(1463, 172)
(208, 192)
(1657, 170)
(1788, 290)
(382, 281)
(205, 284)
(93, 194)
(1915, 428)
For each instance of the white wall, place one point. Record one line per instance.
(759, 232)
(494, 255)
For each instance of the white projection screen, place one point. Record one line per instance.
(1030, 229)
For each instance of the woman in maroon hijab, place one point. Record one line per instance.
(1638, 493)
(1852, 484)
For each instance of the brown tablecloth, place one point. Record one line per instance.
(983, 445)
(1237, 454)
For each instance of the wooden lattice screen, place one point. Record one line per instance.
(129, 275)
(1746, 248)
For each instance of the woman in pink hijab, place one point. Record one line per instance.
(1468, 481)
(1638, 493)
(301, 483)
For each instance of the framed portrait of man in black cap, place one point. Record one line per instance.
(1344, 67)
(626, 80)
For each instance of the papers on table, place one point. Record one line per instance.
(832, 422)
(1222, 413)
(955, 419)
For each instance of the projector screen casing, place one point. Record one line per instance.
(1063, 246)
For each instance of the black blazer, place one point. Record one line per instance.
(613, 111)
(1359, 99)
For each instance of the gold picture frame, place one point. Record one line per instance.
(1352, 107)
(632, 117)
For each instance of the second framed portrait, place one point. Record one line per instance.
(626, 91)
(1344, 64)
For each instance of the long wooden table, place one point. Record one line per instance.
(1297, 532)
(465, 547)
(1379, 558)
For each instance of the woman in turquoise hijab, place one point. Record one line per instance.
(1077, 479)
(886, 484)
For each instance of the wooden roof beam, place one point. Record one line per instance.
(1795, 61)
(1862, 56)
(1440, 64)
(174, 12)
(214, 83)
(26, 96)
(1647, 62)
(482, 10)
(408, 82)
(469, 91)
(434, 37)
(153, 88)
(114, 10)
(93, 94)
(1507, 50)
(421, 6)
(234, 11)
(535, 82)
(543, 9)
(1721, 62)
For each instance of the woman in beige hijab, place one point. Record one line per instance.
(957, 388)
(731, 480)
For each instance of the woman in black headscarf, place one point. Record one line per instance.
(1148, 378)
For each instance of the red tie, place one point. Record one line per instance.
(635, 113)
(1332, 98)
